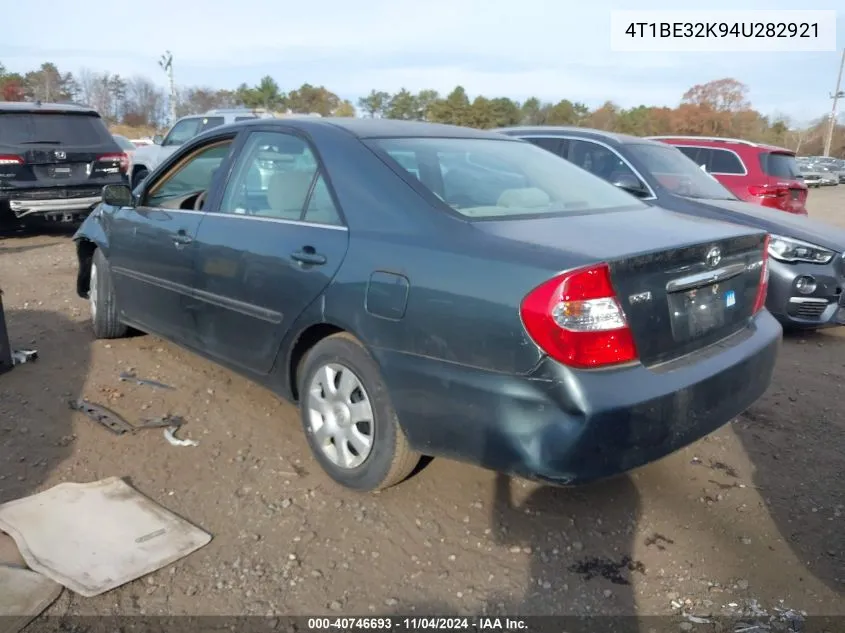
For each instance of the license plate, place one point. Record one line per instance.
(61, 172)
(696, 312)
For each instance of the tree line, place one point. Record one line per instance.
(716, 108)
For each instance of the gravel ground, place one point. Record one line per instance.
(751, 516)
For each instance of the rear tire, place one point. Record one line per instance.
(104, 312)
(348, 418)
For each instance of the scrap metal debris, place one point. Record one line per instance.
(128, 376)
(21, 356)
(118, 425)
(169, 435)
(102, 415)
(165, 421)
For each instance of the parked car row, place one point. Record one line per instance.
(423, 289)
(820, 171)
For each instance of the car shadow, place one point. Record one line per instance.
(580, 544)
(36, 426)
(795, 438)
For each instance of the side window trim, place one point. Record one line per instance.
(181, 162)
(239, 152)
(571, 146)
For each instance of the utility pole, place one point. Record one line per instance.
(838, 94)
(166, 63)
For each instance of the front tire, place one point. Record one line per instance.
(103, 302)
(348, 418)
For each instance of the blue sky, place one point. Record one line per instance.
(551, 49)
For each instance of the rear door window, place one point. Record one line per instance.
(53, 128)
(211, 122)
(554, 145)
(701, 155)
(599, 160)
(779, 165)
(725, 162)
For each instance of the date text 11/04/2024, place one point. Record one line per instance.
(421, 623)
(778, 30)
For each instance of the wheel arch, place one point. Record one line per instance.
(305, 342)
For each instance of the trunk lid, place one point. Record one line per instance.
(683, 283)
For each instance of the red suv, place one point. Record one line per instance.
(762, 174)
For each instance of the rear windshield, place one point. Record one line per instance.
(678, 173)
(490, 178)
(30, 128)
(779, 165)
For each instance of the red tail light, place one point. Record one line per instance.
(576, 319)
(763, 288)
(10, 159)
(122, 158)
(767, 191)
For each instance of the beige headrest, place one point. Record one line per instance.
(286, 190)
(527, 198)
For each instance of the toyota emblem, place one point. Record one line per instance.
(714, 256)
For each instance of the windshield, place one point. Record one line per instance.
(490, 178)
(52, 128)
(678, 173)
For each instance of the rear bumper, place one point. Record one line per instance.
(24, 208)
(566, 427)
(822, 308)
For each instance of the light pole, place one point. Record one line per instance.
(166, 63)
(836, 96)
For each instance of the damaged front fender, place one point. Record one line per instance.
(90, 236)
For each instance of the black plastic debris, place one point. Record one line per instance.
(127, 376)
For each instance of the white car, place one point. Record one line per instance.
(146, 159)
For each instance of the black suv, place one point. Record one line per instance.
(54, 161)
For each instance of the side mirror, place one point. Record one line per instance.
(158, 139)
(631, 184)
(117, 195)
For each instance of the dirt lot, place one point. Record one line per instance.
(754, 512)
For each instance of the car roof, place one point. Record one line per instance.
(572, 130)
(377, 128)
(38, 106)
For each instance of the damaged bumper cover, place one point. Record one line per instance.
(22, 208)
(564, 426)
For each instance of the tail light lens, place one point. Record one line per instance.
(576, 319)
(766, 191)
(763, 288)
(10, 159)
(121, 158)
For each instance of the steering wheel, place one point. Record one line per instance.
(200, 201)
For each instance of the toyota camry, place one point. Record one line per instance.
(424, 289)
